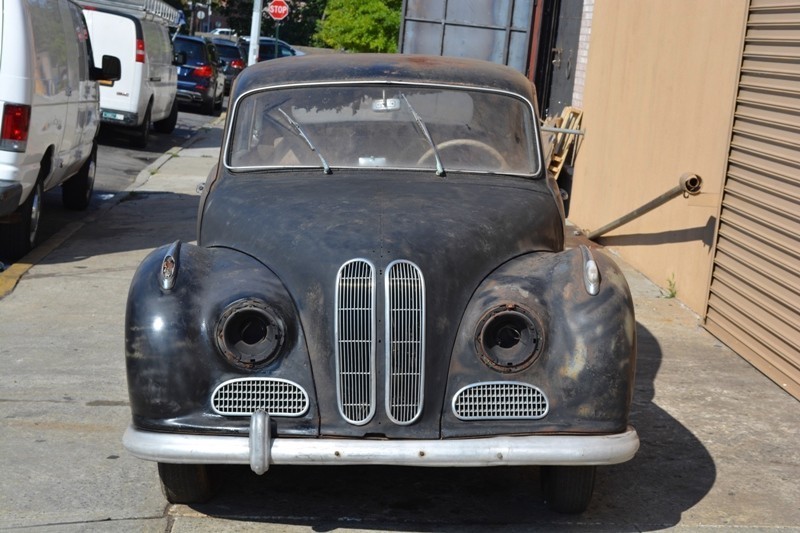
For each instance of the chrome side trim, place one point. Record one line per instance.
(486, 451)
(354, 334)
(405, 341)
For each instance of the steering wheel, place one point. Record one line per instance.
(466, 142)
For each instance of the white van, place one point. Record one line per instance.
(136, 31)
(50, 114)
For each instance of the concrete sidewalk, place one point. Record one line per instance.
(720, 443)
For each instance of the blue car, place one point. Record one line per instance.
(201, 80)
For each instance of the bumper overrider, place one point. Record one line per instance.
(260, 449)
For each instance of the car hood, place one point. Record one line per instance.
(457, 230)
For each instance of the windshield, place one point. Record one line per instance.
(391, 126)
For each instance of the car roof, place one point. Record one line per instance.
(335, 68)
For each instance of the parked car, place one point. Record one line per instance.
(270, 48)
(50, 114)
(224, 32)
(200, 77)
(146, 92)
(381, 277)
(231, 55)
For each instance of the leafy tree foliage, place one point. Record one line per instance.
(360, 25)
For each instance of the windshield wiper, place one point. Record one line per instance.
(299, 130)
(426, 133)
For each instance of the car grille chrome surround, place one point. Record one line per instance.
(243, 396)
(405, 341)
(500, 400)
(354, 326)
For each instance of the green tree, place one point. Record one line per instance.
(360, 25)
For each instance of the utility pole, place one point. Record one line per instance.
(255, 33)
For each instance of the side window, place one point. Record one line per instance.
(74, 30)
(48, 34)
(157, 41)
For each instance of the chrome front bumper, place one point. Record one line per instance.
(259, 450)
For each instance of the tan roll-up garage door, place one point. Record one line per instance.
(754, 299)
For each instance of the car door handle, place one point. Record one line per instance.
(155, 79)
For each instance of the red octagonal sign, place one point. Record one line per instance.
(278, 9)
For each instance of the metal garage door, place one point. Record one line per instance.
(754, 298)
(494, 30)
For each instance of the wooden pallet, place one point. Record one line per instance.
(570, 119)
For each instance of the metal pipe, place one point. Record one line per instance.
(688, 184)
(553, 129)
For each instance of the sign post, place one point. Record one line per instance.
(278, 10)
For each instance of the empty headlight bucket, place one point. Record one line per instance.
(509, 338)
(250, 333)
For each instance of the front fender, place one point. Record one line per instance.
(586, 362)
(172, 356)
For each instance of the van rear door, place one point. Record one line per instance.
(116, 34)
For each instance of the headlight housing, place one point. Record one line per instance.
(250, 334)
(509, 338)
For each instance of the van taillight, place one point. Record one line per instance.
(139, 51)
(16, 121)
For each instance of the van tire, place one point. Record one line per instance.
(76, 192)
(18, 237)
(142, 134)
(167, 125)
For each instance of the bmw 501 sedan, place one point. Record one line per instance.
(381, 277)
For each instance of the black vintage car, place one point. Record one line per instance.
(381, 277)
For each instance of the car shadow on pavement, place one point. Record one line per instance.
(671, 472)
(140, 222)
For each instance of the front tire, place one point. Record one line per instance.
(568, 489)
(185, 483)
(76, 192)
(142, 134)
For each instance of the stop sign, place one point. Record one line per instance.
(278, 9)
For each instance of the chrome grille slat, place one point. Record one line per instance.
(500, 400)
(355, 341)
(405, 341)
(244, 396)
